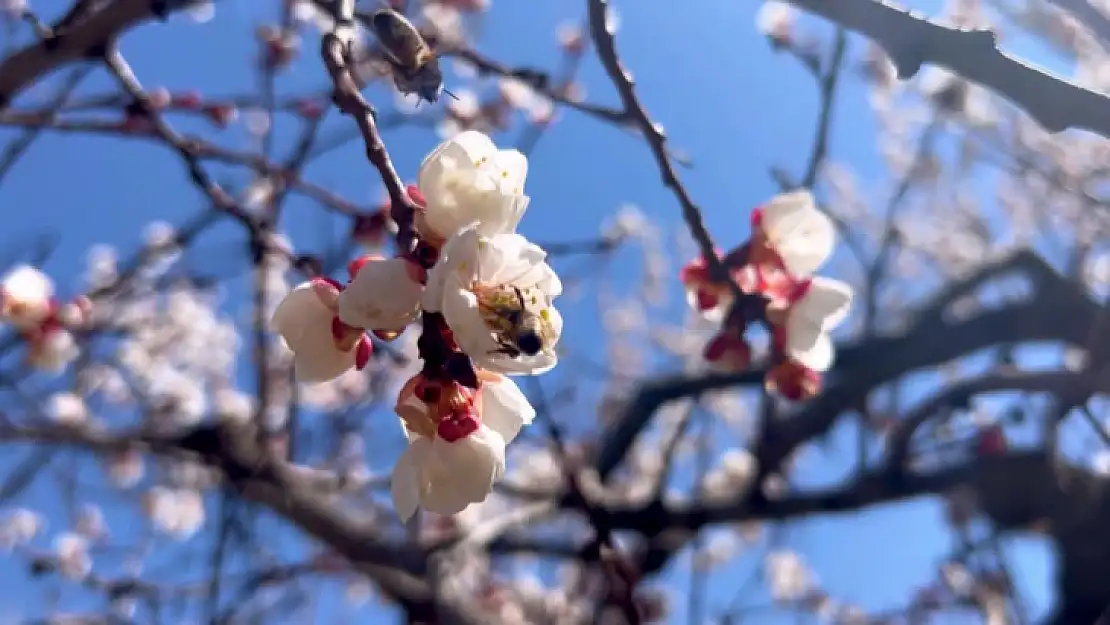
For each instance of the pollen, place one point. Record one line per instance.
(545, 314)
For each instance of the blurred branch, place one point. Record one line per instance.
(911, 40)
(83, 39)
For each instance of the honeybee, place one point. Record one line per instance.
(411, 60)
(518, 329)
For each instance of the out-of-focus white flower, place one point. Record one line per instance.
(457, 442)
(125, 468)
(90, 522)
(446, 21)
(72, 552)
(306, 321)
(787, 576)
(13, 9)
(202, 11)
(233, 406)
(776, 20)
(25, 297)
(477, 280)
(823, 306)
(445, 477)
(19, 527)
(516, 92)
(797, 231)
(177, 512)
(384, 294)
(67, 408)
(465, 105)
(159, 234)
(467, 179)
(52, 351)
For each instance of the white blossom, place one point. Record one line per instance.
(67, 408)
(477, 277)
(177, 512)
(801, 235)
(824, 306)
(383, 295)
(304, 320)
(444, 477)
(466, 179)
(25, 297)
(72, 552)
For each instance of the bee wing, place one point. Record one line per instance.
(397, 35)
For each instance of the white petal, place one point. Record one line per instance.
(466, 179)
(505, 409)
(404, 484)
(470, 465)
(513, 168)
(304, 323)
(803, 236)
(460, 310)
(825, 304)
(382, 296)
(816, 353)
(523, 365)
(29, 291)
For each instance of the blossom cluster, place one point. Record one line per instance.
(773, 272)
(482, 294)
(28, 304)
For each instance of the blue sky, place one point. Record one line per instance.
(723, 96)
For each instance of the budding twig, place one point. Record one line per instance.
(335, 51)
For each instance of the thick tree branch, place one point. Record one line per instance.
(911, 40)
(85, 39)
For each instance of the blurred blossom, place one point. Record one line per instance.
(72, 552)
(445, 21)
(19, 526)
(787, 575)
(177, 512)
(12, 9)
(202, 11)
(90, 522)
(465, 105)
(257, 121)
(516, 92)
(776, 20)
(958, 579)
(67, 408)
(629, 221)
(233, 406)
(102, 270)
(159, 234)
(257, 195)
(125, 468)
(1100, 462)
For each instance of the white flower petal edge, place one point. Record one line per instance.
(505, 409)
(799, 232)
(304, 322)
(467, 179)
(444, 478)
(470, 261)
(824, 306)
(25, 294)
(382, 296)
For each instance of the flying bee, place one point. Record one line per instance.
(411, 60)
(518, 329)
